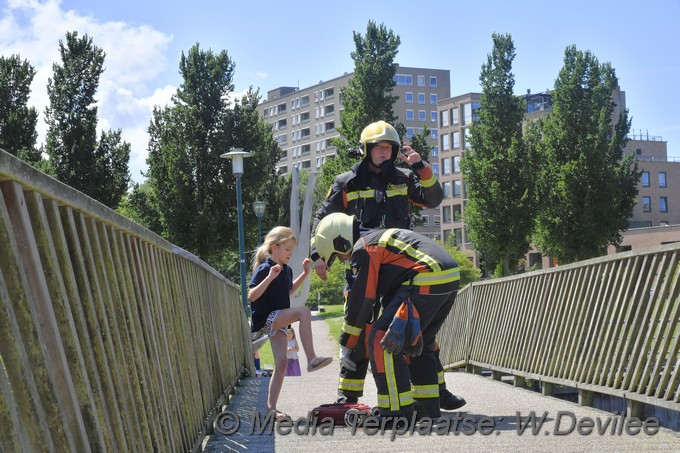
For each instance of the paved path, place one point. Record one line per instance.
(492, 407)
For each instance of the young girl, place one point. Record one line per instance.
(270, 288)
(293, 367)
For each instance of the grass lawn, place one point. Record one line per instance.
(333, 315)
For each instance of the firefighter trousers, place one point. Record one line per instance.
(393, 376)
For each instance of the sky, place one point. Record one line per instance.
(300, 43)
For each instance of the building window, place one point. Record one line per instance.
(408, 98)
(403, 80)
(458, 236)
(663, 204)
(646, 204)
(426, 220)
(435, 168)
(645, 179)
(434, 134)
(446, 189)
(445, 142)
(662, 179)
(437, 220)
(446, 214)
(457, 215)
(433, 116)
(421, 80)
(433, 99)
(433, 81)
(456, 164)
(457, 188)
(409, 115)
(446, 166)
(454, 116)
(456, 140)
(435, 151)
(409, 132)
(421, 98)
(422, 116)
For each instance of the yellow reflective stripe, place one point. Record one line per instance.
(391, 378)
(387, 239)
(351, 329)
(402, 191)
(440, 377)
(429, 182)
(360, 194)
(435, 278)
(350, 384)
(426, 391)
(405, 399)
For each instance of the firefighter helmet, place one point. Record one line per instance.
(377, 132)
(334, 234)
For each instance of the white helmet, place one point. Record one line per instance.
(378, 132)
(334, 234)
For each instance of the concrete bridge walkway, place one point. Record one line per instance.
(497, 418)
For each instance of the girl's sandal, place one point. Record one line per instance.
(318, 363)
(278, 415)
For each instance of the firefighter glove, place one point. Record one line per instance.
(345, 361)
(393, 341)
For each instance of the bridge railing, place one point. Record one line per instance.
(609, 325)
(111, 338)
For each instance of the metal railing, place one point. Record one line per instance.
(609, 325)
(111, 339)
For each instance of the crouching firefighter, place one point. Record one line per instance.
(418, 281)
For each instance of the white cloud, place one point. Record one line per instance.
(136, 58)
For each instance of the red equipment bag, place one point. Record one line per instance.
(339, 413)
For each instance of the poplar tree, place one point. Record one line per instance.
(588, 186)
(98, 168)
(18, 135)
(366, 98)
(498, 168)
(189, 185)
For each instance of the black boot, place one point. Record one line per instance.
(448, 401)
(427, 408)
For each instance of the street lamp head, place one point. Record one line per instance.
(259, 207)
(236, 155)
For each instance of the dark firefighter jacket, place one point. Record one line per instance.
(380, 200)
(383, 261)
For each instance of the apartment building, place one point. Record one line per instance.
(455, 116)
(304, 120)
(656, 217)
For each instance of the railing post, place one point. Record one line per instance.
(585, 397)
(547, 388)
(635, 409)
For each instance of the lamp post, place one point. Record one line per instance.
(258, 207)
(237, 155)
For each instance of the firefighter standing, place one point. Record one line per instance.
(410, 270)
(378, 193)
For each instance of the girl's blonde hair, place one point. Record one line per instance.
(277, 236)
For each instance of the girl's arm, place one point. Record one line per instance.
(307, 268)
(256, 291)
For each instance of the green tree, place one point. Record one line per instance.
(588, 186)
(468, 272)
(367, 98)
(140, 205)
(98, 169)
(498, 170)
(18, 122)
(192, 188)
